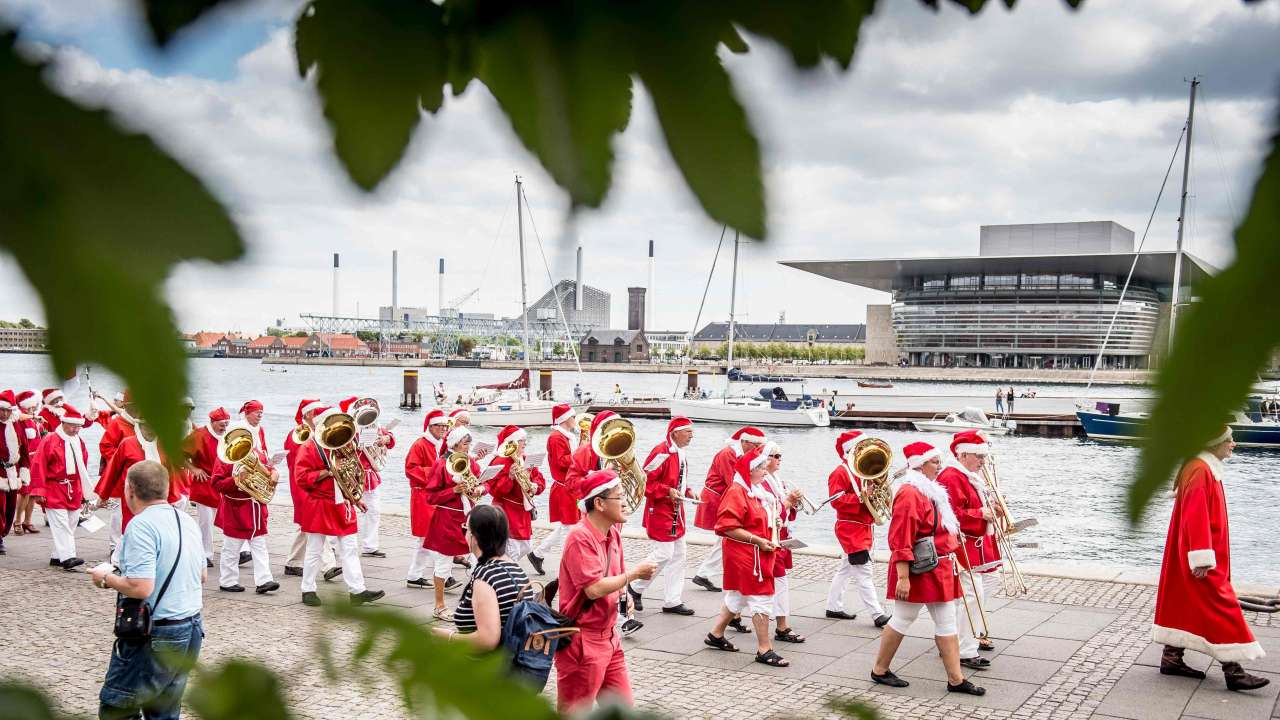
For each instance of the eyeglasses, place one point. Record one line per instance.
(776, 457)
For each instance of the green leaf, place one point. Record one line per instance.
(811, 31)
(854, 709)
(556, 71)
(167, 17)
(239, 690)
(23, 702)
(96, 217)
(378, 64)
(1220, 345)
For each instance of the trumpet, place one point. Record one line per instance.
(235, 448)
(869, 462)
(520, 474)
(584, 428)
(788, 487)
(615, 442)
(337, 435)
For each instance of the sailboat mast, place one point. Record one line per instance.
(733, 302)
(524, 299)
(1182, 213)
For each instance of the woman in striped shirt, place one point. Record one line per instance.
(495, 583)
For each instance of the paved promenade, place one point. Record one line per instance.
(1071, 649)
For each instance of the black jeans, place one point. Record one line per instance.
(142, 680)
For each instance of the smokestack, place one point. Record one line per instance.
(395, 286)
(577, 289)
(648, 296)
(335, 284)
(440, 287)
(635, 308)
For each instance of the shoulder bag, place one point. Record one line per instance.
(924, 549)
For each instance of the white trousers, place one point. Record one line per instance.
(942, 613)
(204, 518)
(781, 596)
(62, 530)
(670, 559)
(117, 519)
(517, 549)
(554, 541)
(298, 552)
(420, 560)
(348, 555)
(986, 586)
(861, 577)
(229, 565)
(183, 503)
(442, 565)
(370, 521)
(712, 565)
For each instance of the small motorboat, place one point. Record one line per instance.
(871, 384)
(970, 418)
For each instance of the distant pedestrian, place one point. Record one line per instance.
(617, 392)
(1008, 399)
(999, 399)
(577, 394)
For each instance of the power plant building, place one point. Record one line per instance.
(595, 306)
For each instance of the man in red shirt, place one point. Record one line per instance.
(719, 476)
(592, 575)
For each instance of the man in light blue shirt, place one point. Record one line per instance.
(160, 545)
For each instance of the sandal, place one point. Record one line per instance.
(31, 529)
(17, 529)
(719, 643)
(736, 624)
(788, 635)
(772, 659)
(442, 613)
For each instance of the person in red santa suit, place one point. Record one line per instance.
(592, 577)
(14, 458)
(787, 500)
(123, 424)
(748, 528)
(563, 501)
(201, 449)
(461, 417)
(666, 487)
(584, 460)
(251, 413)
(719, 477)
(922, 515)
(28, 424)
(374, 444)
(1196, 605)
(854, 524)
(424, 453)
(452, 503)
(243, 522)
(304, 425)
(509, 496)
(50, 412)
(328, 515)
(131, 451)
(60, 470)
(967, 492)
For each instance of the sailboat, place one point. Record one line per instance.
(512, 403)
(770, 407)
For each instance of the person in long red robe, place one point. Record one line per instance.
(131, 451)
(508, 495)
(920, 511)
(243, 521)
(423, 454)
(854, 523)
(370, 519)
(666, 487)
(29, 426)
(562, 504)
(444, 535)
(584, 460)
(304, 423)
(1196, 606)
(60, 470)
(719, 477)
(787, 501)
(201, 449)
(14, 459)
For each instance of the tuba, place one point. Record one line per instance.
(365, 413)
(459, 468)
(584, 428)
(235, 448)
(615, 442)
(520, 474)
(869, 462)
(337, 434)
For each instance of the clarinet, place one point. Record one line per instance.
(678, 503)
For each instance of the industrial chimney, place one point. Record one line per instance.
(577, 288)
(335, 284)
(648, 302)
(635, 308)
(395, 289)
(440, 288)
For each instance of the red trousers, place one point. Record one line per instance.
(592, 665)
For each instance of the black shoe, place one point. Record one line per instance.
(72, 563)
(1181, 669)
(888, 678)
(536, 562)
(367, 596)
(55, 562)
(231, 588)
(332, 573)
(208, 563)
(636, 598)
(267, 587)
(291, 570)
(977, 663)
(883, 619)
(462, 560)
(841, 615)
(451, 584)
(311, 599)
(373, 553)
(245, 557)
(630, 626)
(967, 688)
(737, 625)
(2, 550)
(677, 610)
(421, 583)
(1240, 679)
(705, 584)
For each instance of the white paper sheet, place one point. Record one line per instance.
(93, 524)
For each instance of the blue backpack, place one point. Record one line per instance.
(532, 635)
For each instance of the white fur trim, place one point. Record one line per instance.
(438, 420)
(851, 443)
(4, 405)
(975, 448)
(937, 494)
(516, 437)
(759, 460)
(312, 407)
(1222, 652)
(1202, 558)
(567, 415)
(456, 436)
(1216, 466)
(615, 482)
(916, 461)
(1225, 436)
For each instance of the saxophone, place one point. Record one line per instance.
(235, 448)
(520, 474)
(337, 435)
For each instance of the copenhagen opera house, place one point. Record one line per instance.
(1035, 296)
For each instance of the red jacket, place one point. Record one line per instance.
(563, 502)
(719, 476)
(325, 512)
(913, 517)
(117, 430)
(583, 462)
(15, 458)
(444, 535)
(664, 518)
(747, 568)
(508, 496)
(980, 546)
(61, 487)
(853, 520)
(423, 454)
(239, 516)
(202, 453)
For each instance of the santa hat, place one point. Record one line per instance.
(750, 434)
(27, 399)
(561, 412)
(969, 441)
(459, 412)
(302, 410)
(1222, 436)
(919, 453)
(48, 395)
(511, 434)
(457, 435)
(250, 407)
(748, 462)
(847, 440)
(72, 416)
(678, 422)
(7, 400)
(345, 404)
(218, 414)
(596, 484)
(435, 417)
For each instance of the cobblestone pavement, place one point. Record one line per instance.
(1070, 649)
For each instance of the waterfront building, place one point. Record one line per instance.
(20, 339)
(614, 346)
(1035, 296)
(594, 313)
(793, 335)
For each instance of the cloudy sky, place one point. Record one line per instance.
(946, 122)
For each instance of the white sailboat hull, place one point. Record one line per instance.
(745, 411)
(522, 413)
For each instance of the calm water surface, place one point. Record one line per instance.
(1074, 487)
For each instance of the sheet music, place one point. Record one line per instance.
(278, 456)
(481, 447)
(391, 425)
(656, 462)
(93, 524)
(490, 473)
(533, 460)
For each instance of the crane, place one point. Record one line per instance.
(456, 303)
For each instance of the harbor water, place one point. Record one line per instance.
(1074, 487)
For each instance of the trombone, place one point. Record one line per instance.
(977, 597)
(1015, 583)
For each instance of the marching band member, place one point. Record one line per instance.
(786, 501)
(562, 503)
(719, 477)
(132, 450)
(747, 526)
(424, 453)
(979, 551)
(921, 513)
(14, 458)
(59, 471)
(243, 522)
(665, 490)
(508, 495)
(592, 576)
(251, 412)
(29, 426)
(370, 521)
(303, 418)
(854, 523)
(201, 449)
(1196, 606)
(121, 425)
(328, 515)
(584, 460)
(444, 533)
(180, 478)
(51, 405)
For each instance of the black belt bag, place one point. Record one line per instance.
(925, 550)
(133, 615)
